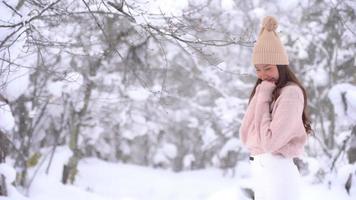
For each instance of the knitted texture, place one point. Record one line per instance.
(269, 48)
(280, 131)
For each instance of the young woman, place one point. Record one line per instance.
(275, 125)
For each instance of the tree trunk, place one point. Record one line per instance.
(3, 152)
(351, 152)
(70, 170)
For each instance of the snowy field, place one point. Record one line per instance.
(99, 180)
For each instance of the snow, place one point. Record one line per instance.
(258, 12)
(351, 97)
(15, 82)
(188, 160)
(170, 7)
(227, 4)
(133, 130)
(209, 137)
(55, 88)
(100, 180)
(193, 122)
(14, 194)
(343, 173)
(345, 115)
(227, 109)
(170, 150)
(71, 83)
(320, 76)
(289, 5)
(135, 182)
(229, 193)
(160, 159)
(74, 77)
(8, 171)
(138, 94)
(7, 13)
(164, 154)
(95, 134)
(232, 144)
(301, 45)
(138, 117)
(6, 118)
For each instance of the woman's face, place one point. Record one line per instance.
(267, 72)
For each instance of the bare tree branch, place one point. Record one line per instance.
(101, 28)
(32, 18)
(13, 9)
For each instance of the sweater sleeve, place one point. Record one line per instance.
(248, 118)
(277, 131)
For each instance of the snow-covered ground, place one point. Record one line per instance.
(99, 180)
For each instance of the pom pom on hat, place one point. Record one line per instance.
(270, 23)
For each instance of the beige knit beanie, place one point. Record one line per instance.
(269, 48)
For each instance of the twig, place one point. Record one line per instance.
(23, 23)
(101, 28)
(32, 18)
(218, 43)
(35, 173)
(322, 146)
(342, 149)
(9, 36)
(120, 9)
(13, 9)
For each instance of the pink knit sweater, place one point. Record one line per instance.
(280, 131)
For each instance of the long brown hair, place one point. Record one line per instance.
(286, 75)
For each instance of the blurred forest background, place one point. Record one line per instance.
(165, 88)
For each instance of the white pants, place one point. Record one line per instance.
(275, 178)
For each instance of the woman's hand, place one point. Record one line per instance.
(265, 90)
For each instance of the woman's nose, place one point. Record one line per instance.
(263, 76)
